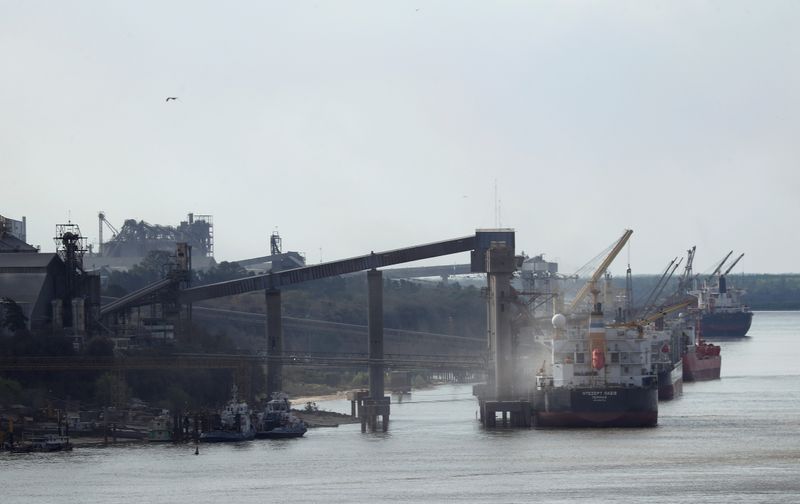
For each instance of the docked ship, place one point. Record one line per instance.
(668, 363)
(723, 314)
(232, 424)
(701, 360)
(666, 337)
(278, 422)
(603, 378)
(670, 381)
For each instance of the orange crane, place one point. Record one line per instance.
(591, 285)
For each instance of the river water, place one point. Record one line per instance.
(732, 440)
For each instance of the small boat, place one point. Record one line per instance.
(232, 425)
(160, 430)
(47, 443)
(278, 422)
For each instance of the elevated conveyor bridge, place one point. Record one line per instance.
(480, 244)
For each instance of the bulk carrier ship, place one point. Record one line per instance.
(723, 314)
(603, 378)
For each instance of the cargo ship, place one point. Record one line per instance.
(670, 381)
(603, 378)
(668, 358)
(701, 360)
(723, 314)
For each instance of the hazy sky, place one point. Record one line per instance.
(358, 126)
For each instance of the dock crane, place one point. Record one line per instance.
(101, 217)
(591, 285)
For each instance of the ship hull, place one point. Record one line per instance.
(670, 383)
(281, 433)
(596, 407)
(226, 436)
(701, 369)
(726, 325)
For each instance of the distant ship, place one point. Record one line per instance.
(701, 360)
(723, 314)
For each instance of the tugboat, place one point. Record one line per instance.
(49, 443)
(232, 425)
(277, 420)
(160, 430)
(46, 443)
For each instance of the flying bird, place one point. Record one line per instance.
(171, 98)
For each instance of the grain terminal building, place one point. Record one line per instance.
(55, 294)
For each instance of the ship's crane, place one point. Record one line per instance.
(719, 266)
(663, 312)
(590, 285)
(683, 281)
(732, 265)
(666, 311)
(650, 303)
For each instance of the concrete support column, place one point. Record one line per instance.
(375, 323)
(274, 342)
(500, 265)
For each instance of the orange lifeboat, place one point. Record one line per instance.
(598, 359)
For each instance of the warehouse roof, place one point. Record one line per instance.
(10, 243)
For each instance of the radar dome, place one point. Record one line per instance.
(559, 321)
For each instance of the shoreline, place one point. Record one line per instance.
(341, 395)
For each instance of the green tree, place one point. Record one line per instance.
(99, 347)
(12, 316)
(10, 391)
(111, 390)
(222, 272)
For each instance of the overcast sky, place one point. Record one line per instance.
(359, 126)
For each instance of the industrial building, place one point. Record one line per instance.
(54, 292)
(13, 236)
(278, 260)
(135, 239)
